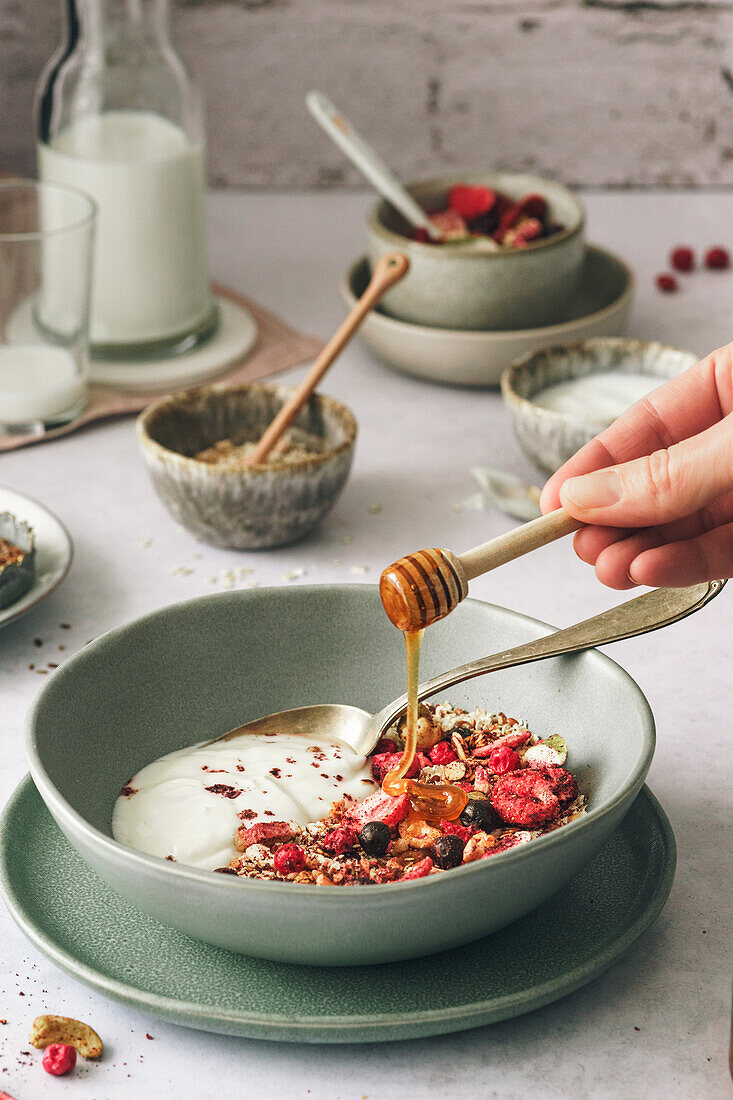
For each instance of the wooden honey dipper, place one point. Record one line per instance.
(423, 587)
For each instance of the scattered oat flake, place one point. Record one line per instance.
(374, 509)
(293, 574)
(347, 539)
(457, 507)
(226, 574)
(197, 555)
(251, 584)
(227, 582)
(360, 569)
(147, 541)
(181, 570)
(244, 571)
(211, 580)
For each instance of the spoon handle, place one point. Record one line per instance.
(388, 270)
(360, 153)
(641, 615)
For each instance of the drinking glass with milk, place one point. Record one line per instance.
(46, 240)
(119, 117)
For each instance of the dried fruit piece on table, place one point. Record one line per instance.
(59, 1059)
(682, 258)
(717, 258)
(65, 1029)
(667, 283)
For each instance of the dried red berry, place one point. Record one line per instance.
(378, 807)
(454, 828)
(340, 840)
(470, 201)
(682, 259)
(452, 226)
(503, 760)
(58, 1059)
(289, 859)
(533, 206)
(443, 753)
(717, 259)
(524, 798)
(263, 833)
(667, 283)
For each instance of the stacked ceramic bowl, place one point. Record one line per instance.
(464, 313)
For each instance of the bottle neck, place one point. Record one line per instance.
(100, 22)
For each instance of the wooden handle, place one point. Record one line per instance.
(515, 543)
(388, 270)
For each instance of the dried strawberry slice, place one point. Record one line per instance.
(378, 807)
(383, 762)
(561, 780)
(470, 201)
(525, 798)
(263, 831)
(451, 225)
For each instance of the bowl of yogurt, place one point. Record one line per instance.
(561, 397)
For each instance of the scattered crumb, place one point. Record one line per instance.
(374, 509)
(227, 582)
(244, 571)
(38, 641)
(181, 570)
(197, 555)
(211, 580)
(147, 541)
(65, 626)
(31, 667)
(337, 561)
(52, 664)
(360, 569)
(347, 539)
(226, 574)
(251, 584)
(293, 574)
(457, 507)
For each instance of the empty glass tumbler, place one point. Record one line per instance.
(46, 240)
(120, 118)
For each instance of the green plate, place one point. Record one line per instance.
(88, 930)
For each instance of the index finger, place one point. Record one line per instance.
(682, 407)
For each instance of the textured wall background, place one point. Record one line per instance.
(598, 92)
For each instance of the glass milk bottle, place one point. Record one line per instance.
(119, 117)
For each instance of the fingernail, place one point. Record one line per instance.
(594, 490)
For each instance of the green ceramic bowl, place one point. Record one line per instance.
(193, 670)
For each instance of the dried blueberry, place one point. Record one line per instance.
(448, 851)
(481, 813)
(375, 837)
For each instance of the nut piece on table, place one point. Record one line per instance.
(64, 1029)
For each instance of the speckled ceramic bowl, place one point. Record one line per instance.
(262, 506)
(550, 438)
(189, 672)
(456, 286)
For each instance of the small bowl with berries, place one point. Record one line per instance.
(510, 257)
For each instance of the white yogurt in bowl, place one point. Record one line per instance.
(187, 806)
(601, 396)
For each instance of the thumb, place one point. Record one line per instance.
(657, 488)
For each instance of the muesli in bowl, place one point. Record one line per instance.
(517, 786)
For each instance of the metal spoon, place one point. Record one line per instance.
(362, 731)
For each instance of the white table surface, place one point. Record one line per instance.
(657, 1023)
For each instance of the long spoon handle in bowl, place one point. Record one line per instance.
(361, 154)
(641, 615)
(387, 271)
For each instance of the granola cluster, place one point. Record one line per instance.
(517, 786)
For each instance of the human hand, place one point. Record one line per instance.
(656, 487)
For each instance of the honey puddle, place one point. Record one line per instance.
(440, 802)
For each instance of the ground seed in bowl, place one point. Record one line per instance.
(517, 786)
(295, 445)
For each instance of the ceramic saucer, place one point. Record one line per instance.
(89, 931)
(54, 550)
(235, 336)
(477, 358)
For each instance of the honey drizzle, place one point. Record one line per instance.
(443, 802)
